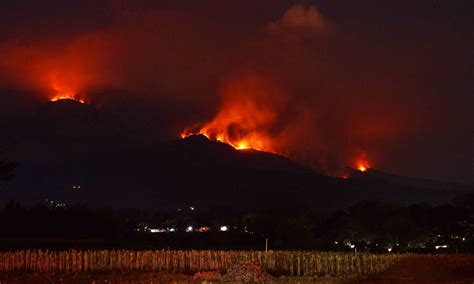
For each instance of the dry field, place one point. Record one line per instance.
(289, 263)
(404, 269)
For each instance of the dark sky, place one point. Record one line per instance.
(387, 81)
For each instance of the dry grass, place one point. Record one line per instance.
(410, 269)
(289, 263)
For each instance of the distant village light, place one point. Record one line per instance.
(204, 229)
(224, 228)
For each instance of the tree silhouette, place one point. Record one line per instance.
(6, 170)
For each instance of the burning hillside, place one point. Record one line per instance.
(290, 81)
(240, 125)
(254, 115)
(67, 98)
(249, 113)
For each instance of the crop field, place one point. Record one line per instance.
(291, 263)
(165, 266)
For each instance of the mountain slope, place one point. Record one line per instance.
(377, 175)
(68, 144)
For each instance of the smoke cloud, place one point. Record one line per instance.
(320, 82)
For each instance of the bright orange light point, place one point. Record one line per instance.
(242, 146)
(362, 168)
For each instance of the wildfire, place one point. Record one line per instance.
(242, 143)
(362, 166)
(63, 93)
(67, 97)
(253, 115)
(247, 116)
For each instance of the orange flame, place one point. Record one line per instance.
(244, 142)
(63, 93)
(253, 116)
(362, 166)
(246, 117)
(237, 126)
(67, 97)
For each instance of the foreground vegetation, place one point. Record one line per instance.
(412, 268)
(291, 263)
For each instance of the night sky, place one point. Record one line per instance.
(326, 83)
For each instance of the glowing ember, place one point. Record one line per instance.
(67, 97)
(242, 145)
(238, 144)
(362, 166)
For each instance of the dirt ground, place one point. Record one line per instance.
(427, 269)
(416, 269)
(135, 277)
(94, 277)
